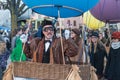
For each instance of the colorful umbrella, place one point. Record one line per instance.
(67, 8)
(107, 11)
(91, 22)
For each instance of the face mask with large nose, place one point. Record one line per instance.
(67, 34)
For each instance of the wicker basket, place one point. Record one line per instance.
(42, 71)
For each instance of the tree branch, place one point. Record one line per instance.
(18, 3)
(8, 5)
(22, 12)
(21, 8)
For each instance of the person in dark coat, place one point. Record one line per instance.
(97, 54)
(112, 71)
(48, 49)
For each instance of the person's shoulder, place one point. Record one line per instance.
(34, 42)
(101, 45)
(37, 39)
(58, 39)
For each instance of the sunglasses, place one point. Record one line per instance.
(46, 29)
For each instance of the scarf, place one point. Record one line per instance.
(115, 45)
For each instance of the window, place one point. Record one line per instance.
(74, 23)
(68, 22)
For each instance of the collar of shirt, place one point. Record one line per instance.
(47, 44)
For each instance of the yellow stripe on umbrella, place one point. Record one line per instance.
(91, 22)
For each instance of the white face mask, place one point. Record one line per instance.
(58, 35)
(115, 45)
(24, 38)
(67, 34)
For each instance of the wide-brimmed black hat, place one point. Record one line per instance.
(46, 22)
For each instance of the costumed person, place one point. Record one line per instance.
(48, 49)
(17, 54)
(97, 54)
(26, 38)
(75, 35)
(112, 71)
(67, 33)
(16, 35)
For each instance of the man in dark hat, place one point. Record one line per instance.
(48, 49)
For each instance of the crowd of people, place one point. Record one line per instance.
(69, 48)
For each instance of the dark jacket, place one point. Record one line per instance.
(69, 49)
(97, 58)
(112, 71)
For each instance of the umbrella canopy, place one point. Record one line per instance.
(91, 22)
(67, 8)
(107, 11)
(5, 28)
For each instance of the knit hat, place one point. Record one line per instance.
(115, 35)
(76, 31)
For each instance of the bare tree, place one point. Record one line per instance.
(17, 8)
